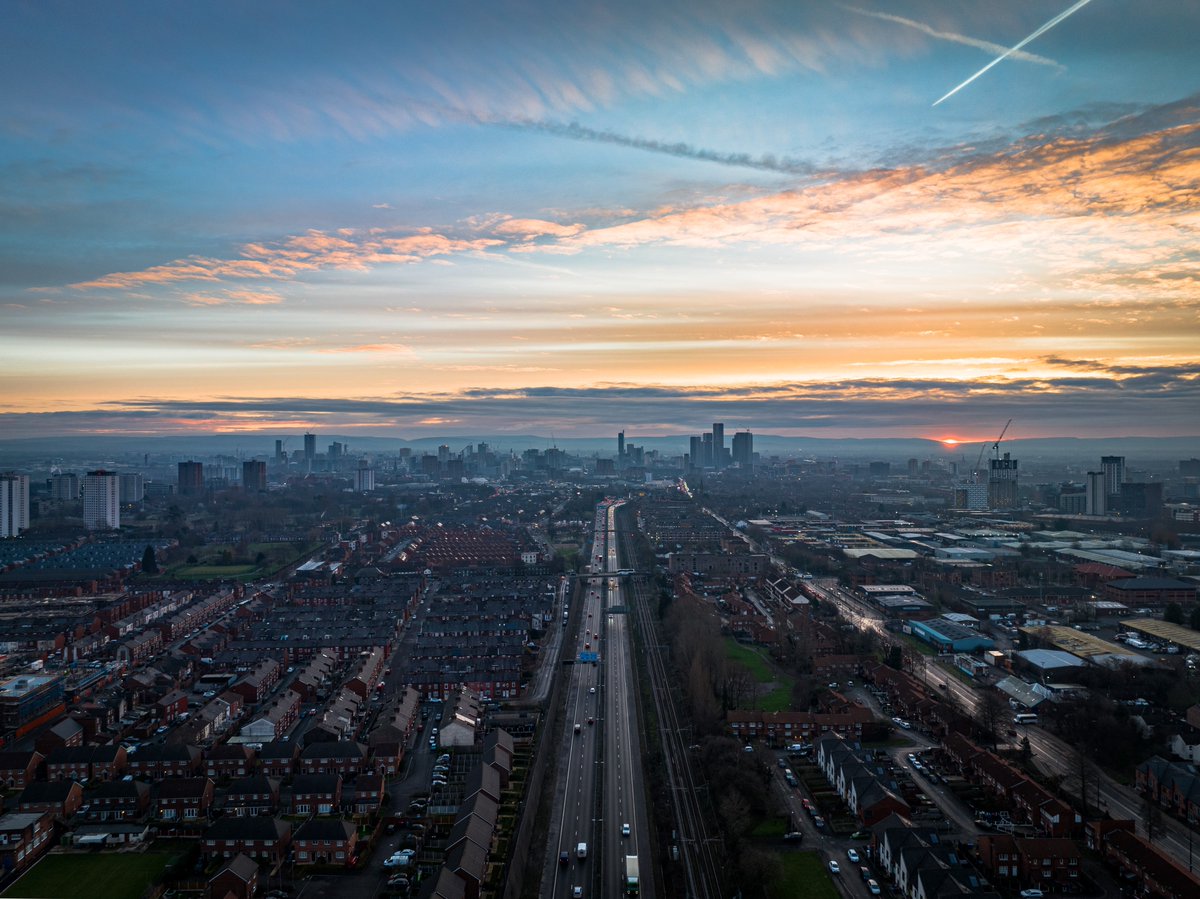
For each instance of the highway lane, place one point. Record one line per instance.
(626, 819)
(574, 818)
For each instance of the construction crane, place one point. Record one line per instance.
(995, 449)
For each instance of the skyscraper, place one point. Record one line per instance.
(14, 504)
(1097, 494)
(1002, 483)
(254, 476)
(64, 486)
(695, 451)
(101, 500)
(620, 449)
(718, 445)
(278, 450)
(364, 477)
(191, 478)
(1113, 468)
(743, 449)
(310, 450)
(133, 488)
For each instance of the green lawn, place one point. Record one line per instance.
(779, 698)
(91, 876)
(214, 570)
(804, 877)
(751, 658)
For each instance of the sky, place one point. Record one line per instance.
(410, 219)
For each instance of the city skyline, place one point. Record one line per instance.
(564, 219)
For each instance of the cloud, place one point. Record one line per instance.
(234, 297)
(284, 260)
(953, 37)
(526, 229)
(387, 348)
(1152, 400)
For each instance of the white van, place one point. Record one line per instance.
(581, 850)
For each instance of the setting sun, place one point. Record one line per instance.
(950, 441)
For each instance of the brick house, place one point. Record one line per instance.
(326, 841)
(184, 798)
(278, 759)
(17, 769)
(155, 763)
(69, 763)
(229, 760)
(258, 837)
(363, 796)
(344, 757)
(60, 798)
(24, 838)
(316, 794)
(170, 707)
(119, 800)
(238, 879)
(253, 795)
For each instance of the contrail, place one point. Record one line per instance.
(575, 131)
(954, 37)
(1062, 15)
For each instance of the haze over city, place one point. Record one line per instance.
(570, 218)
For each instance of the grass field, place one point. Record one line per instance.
(804, 877)
(99, 876)
(187, 571)
(779, 698)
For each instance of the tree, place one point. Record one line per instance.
(1194, 618)
(1173, 613)
(149, 562)
(895, 656)
(988, 715)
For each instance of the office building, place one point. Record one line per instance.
(1113, 468)
(1002, 483)
(718, 445)
(191, 478)
(621, 449)
(254, 476)
(64, 487)
(14, 504)
(695, 451)
(743, 449)
(279, 451)
(101, 500)
(1097, 494)
(706, 450)
(310, 450)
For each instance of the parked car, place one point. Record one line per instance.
(873, 888)
(834, 867)
(852, 854)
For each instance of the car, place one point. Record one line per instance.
(873, 887)
(587, 645)
(906, 725)
(895, 719)
(747, 748)
(578, 728)
(399, 882)
(793, 836)
(564, 858)
(591, 720)
(592, 690)
(576, 892)
(834, 867)
(397, 861)
(624, 830)
(852, 854)
(865, 872)
(808, 806)
(818, 822)
(1032, 893)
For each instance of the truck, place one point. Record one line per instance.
(581, 851)
(631, 875)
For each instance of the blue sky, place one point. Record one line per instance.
(413, 219)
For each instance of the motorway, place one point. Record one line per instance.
(599, 784)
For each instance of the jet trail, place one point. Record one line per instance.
(1011, 50)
